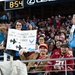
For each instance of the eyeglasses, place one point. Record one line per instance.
(41, 39)
(18, 25)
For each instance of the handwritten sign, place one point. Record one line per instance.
(21, 40)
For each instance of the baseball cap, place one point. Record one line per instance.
(43, 45)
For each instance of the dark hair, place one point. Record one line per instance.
(64, 45)
(51, 42)
(63, 33)
(28, 27)
(41, 36)
(60, 41)
(18, 21)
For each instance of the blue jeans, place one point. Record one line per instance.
(39, 73)
(35, 73)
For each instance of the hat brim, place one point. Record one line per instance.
(43, 46)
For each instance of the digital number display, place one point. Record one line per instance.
(16, 4)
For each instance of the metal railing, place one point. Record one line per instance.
(41, 60)
(5, 57)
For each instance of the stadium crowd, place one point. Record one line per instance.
(52, 42)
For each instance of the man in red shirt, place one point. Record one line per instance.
(58, 66)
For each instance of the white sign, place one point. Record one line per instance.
(21, 40)
(31, 2)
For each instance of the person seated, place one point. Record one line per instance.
(38, 66)
(59, 65)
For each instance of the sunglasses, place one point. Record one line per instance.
(18, 25)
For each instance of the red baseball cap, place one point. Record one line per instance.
(43, 45)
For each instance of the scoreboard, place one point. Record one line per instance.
(20, 4)
(15, 4)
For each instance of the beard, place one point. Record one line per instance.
(63, 53)
(42, 53)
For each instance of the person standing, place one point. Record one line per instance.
(72, 28)
(17, 25)
(72, 37)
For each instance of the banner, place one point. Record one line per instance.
(30, 3)
(18, 40)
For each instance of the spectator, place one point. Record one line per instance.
(62, 36)
(24, 27)
(72, 34)
(32, 23)
(51, 46)
(41, 39)
(2, 38)
(59, 65)
(56, 38)
(29, 27)
(39, 65)
(18, 25)
(72, 38)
